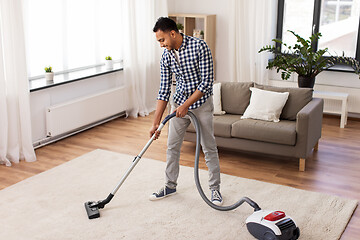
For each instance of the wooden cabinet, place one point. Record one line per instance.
(196, 23)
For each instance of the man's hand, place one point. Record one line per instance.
(153, 130)
(181, 111)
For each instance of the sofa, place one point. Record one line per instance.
(295, 135)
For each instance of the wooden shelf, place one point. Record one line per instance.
(202, 22)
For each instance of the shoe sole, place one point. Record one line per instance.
(153, 198)
(217, 203)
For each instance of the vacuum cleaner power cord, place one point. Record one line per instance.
(196, 175)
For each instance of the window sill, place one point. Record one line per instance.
(65, 78)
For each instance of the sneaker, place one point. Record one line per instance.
(163, 192)
(216, 197)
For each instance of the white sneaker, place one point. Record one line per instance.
(216, 197)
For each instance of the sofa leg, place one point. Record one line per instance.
(302, 164)
(316, 146)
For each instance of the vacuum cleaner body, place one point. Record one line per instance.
(272, 225)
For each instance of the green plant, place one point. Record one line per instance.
(303, 60)
(108, 58)
(48, 69)
(202, 32)
(180, 26)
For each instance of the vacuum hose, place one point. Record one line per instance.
(196, 170)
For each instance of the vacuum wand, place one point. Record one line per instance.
(92, 207)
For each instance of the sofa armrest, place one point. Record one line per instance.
(308, 126)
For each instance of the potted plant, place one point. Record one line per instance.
(180, 27)
(201, 34)
(49, 75)
(303, 60)
(108, 63)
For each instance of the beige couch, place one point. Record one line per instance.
(296, 135)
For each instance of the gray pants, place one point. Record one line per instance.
(177, 128)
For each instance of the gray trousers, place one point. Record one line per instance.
(177, 128)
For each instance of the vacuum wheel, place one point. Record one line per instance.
(270, 236)
(296, 234)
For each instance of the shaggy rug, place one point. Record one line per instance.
(50, 205)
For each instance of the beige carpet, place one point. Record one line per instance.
(51, 205)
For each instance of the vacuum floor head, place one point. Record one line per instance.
(92, 212)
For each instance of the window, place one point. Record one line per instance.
(71, 34)
(336, 20)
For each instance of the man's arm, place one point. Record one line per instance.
(182, 110)
(163, 96)
(206, 68)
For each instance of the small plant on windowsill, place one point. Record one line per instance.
(49, 75)
(303, 60)
(108, 63)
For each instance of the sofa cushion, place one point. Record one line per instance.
(217, 99)
(222, 125)
(265, 105)
(235, 96)
(283, 132)
(298, 98)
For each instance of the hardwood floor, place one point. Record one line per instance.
(334, 169)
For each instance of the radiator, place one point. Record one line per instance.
(335, 106)
(72, 115)
(331, 105)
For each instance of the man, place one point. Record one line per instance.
(190, 60)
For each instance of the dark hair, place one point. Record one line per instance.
(165, 24)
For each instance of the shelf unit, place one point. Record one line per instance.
(204, 22)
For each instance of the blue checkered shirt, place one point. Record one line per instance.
(195, 72)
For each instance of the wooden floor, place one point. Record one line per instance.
(334, 169)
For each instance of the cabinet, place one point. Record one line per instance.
(198, 22)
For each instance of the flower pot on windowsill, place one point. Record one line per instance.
(109, 64)
(49, 76)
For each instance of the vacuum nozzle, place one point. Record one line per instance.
(92, 210)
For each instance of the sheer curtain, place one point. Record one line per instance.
(252, 26)
(142, 53)
(15, 122)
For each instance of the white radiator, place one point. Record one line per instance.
(72, 115)
(331, 105)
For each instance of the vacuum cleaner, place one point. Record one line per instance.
(262, 224)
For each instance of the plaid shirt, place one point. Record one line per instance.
(195, 72)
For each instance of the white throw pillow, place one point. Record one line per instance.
(217, 99)
(265, 105)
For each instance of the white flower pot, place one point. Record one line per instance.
(109, 64)
(49, 76)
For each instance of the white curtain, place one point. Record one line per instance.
(252, 26)
(15, 122)
(142, 53)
